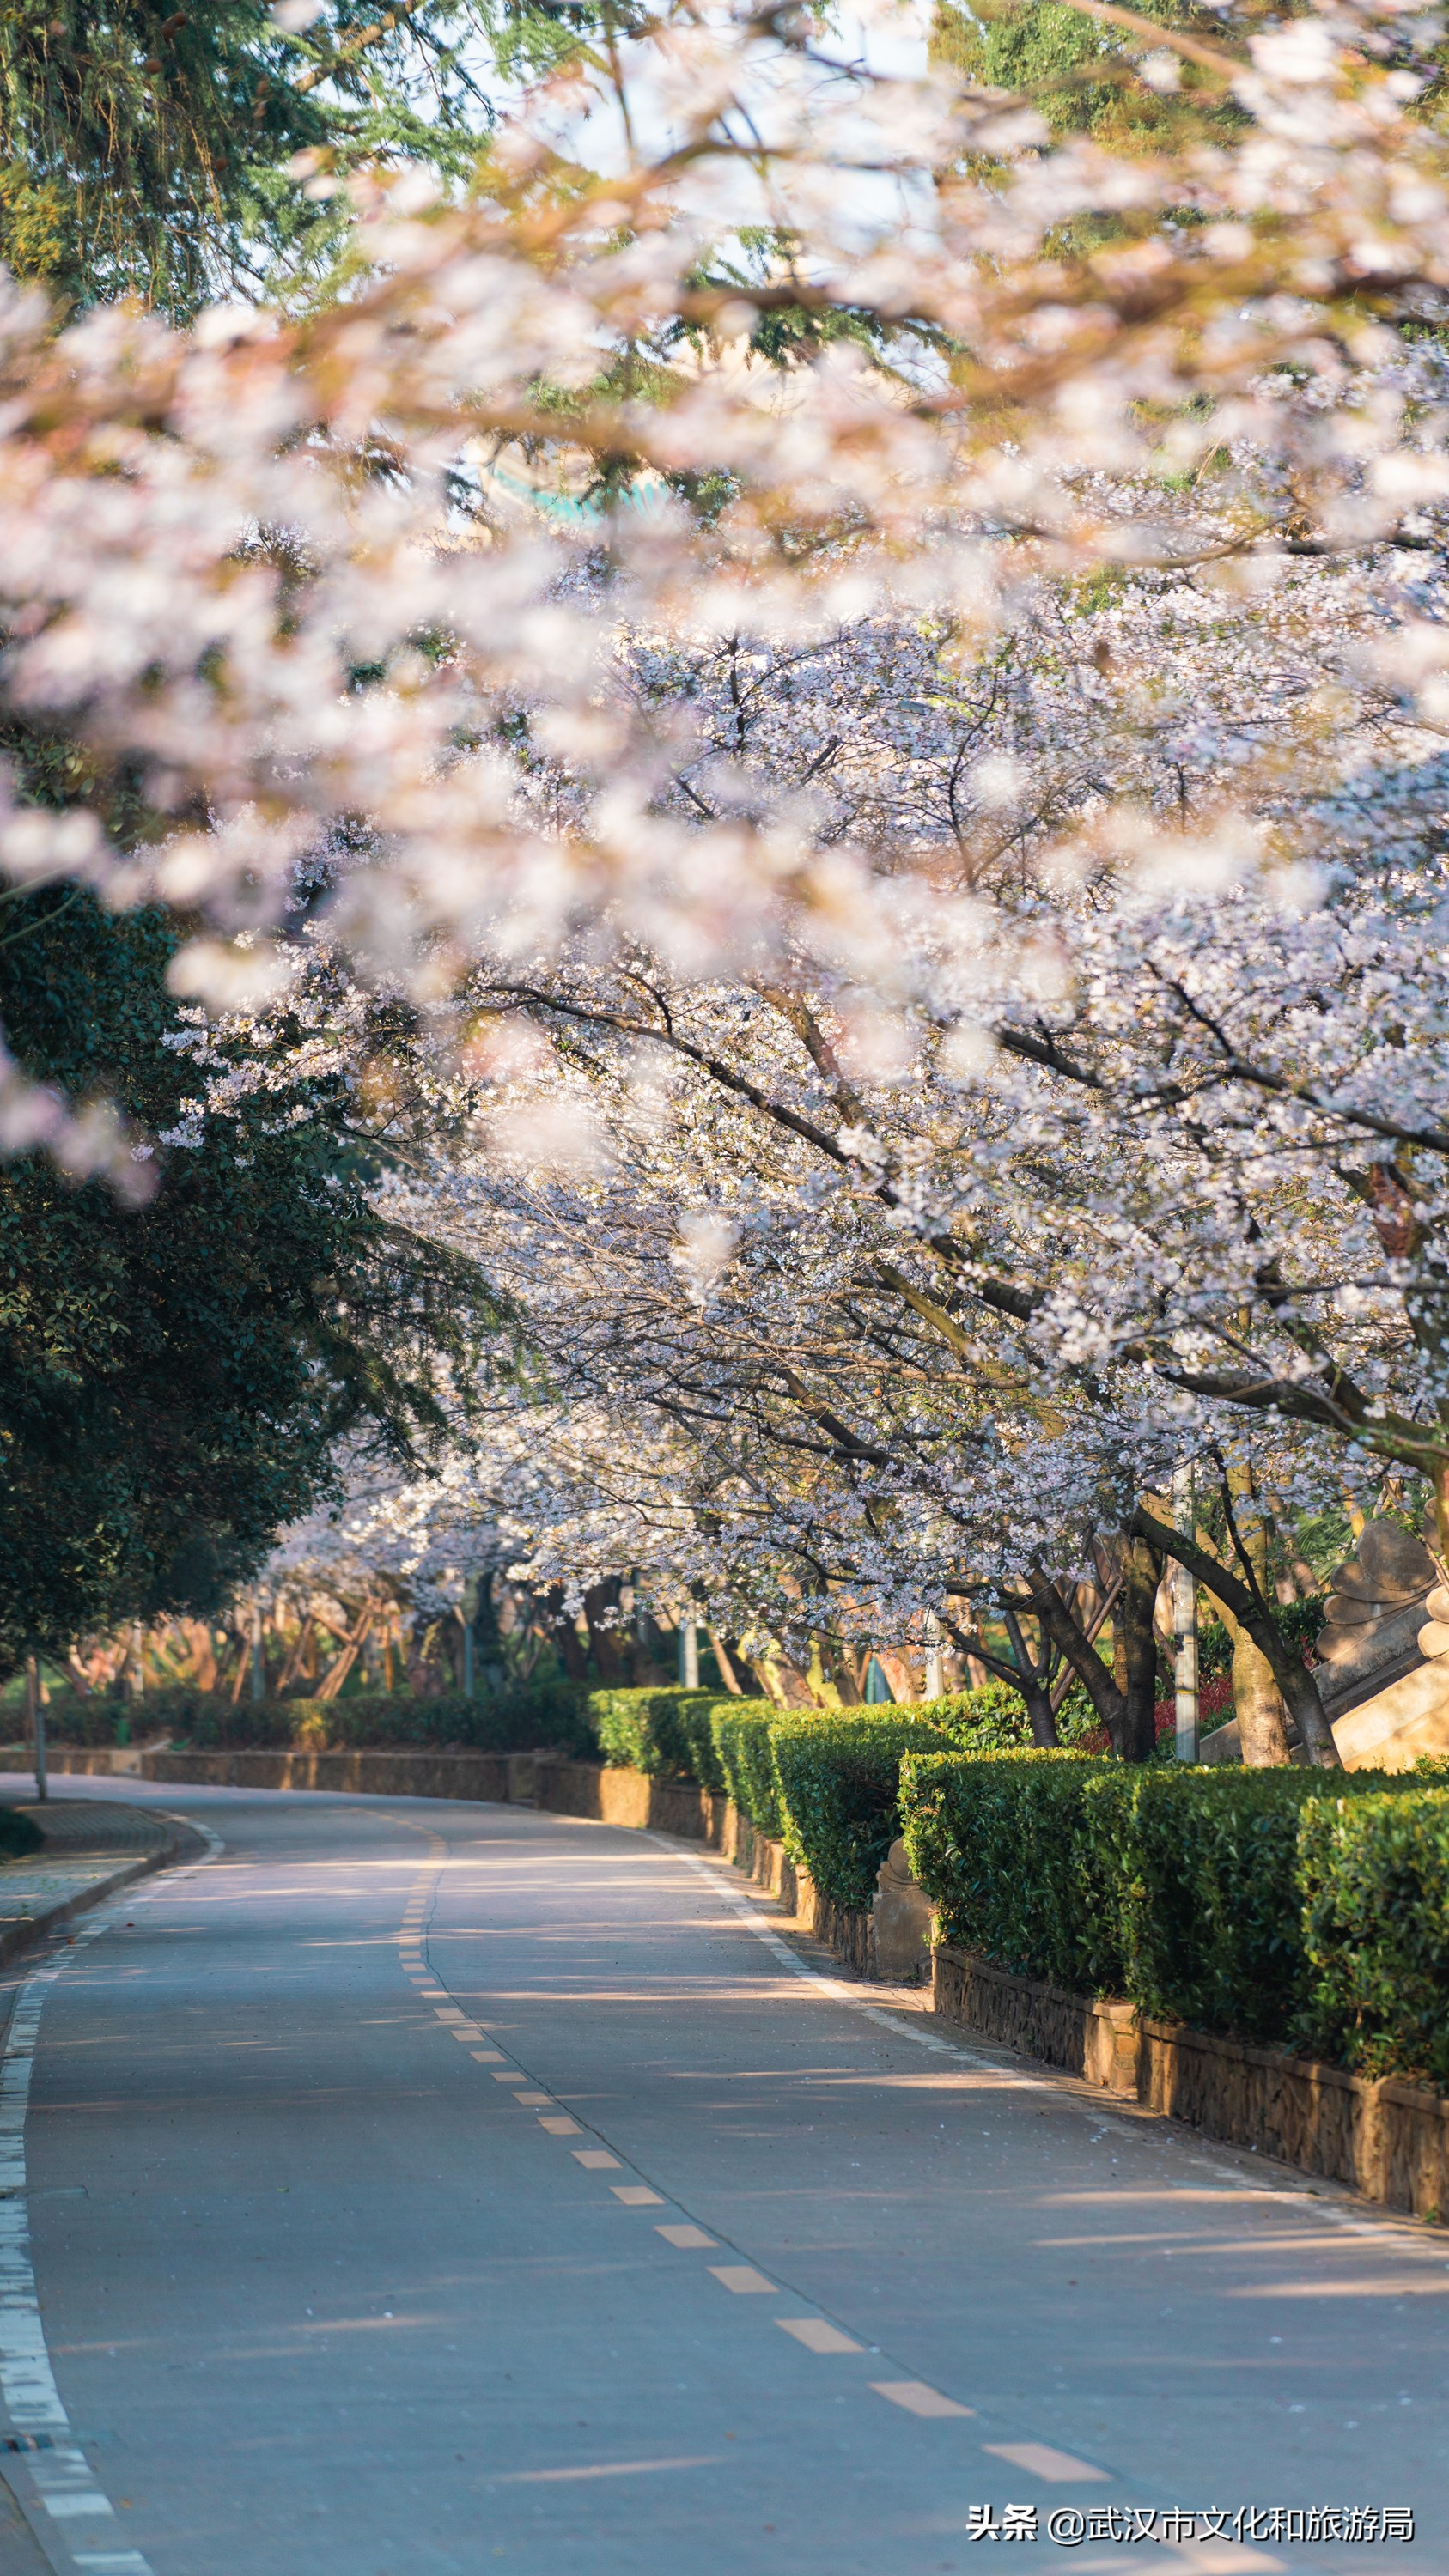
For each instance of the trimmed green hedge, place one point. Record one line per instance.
(643, 1730)
(696, 1725)
(839, 1781)
(514, 1722)
(546, 1713)
(1303, 1908)
(998, 1843)
(1374, 1880)
(742, 1730)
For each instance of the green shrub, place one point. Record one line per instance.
(741, 1729)
(993, 1719)
(1203, 1869)
(642, 1729)
(18, 1835)
(696, 1713)
(990, 1719)
(839, 1790)
(521, 1721)
(1374, 1885)
(999, 1843)
(1188, 1891)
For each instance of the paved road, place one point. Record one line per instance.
(426, 2188)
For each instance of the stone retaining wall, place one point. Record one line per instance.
(1387, 2139)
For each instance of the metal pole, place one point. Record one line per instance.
(468, 1683)
(1184, 1623)
(36, 1709)
(688, 1654)
(933, 1655)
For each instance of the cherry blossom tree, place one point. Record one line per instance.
(831, 697)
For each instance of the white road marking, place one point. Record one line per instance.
(602, 2469)
(65, 2483)
(833, 1987)
(1353, 2221)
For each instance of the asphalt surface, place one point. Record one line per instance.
(665, 2253)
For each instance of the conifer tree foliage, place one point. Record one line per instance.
(143, 147)
(175, 1375)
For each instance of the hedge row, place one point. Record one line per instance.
(825, 1782)
(551, 1715)
(510, 1723)
(1308, 1909)
(839, 1780)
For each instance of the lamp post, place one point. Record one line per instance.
(933, 1655)
(467, 1614)
(35, 1711)
(1184, 1623)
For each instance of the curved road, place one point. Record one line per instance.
(419, 2188)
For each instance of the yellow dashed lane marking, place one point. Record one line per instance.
(486, 2056)
(562, 2127)
(675, 2235)
(743, 2279)
(596, 2158)
(817, 2336)
(1058, 2468)
(531, 2101)
(918, 2397)
(637, 2195)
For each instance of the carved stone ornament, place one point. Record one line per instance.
(902, 1912)
(1382, 1607)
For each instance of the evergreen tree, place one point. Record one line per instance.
(144, 147)
(174, 1379)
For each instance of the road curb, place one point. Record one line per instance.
(17, 1938)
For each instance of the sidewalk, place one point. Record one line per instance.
(91, 1848)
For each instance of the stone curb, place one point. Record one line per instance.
(16, 1938)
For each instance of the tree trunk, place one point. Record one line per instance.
(1141, 1574)
(1257, 1701)
(1295, 1681)
(1258, 1706)
(1031, 1681)
(609, 1641)
(1073, 1645)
